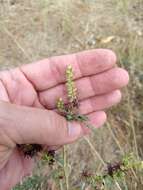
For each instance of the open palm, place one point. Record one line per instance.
(38, 85)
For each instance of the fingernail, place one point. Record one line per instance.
(74, 129)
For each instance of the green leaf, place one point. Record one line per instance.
(81, 118)
(69, 117)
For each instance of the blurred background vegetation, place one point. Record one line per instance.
(35, 29)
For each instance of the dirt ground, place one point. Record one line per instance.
(31, 30)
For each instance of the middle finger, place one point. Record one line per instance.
(103, 83)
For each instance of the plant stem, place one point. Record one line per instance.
(61, 186)
(118, 186)
(132, 125)
(115, 138)
(66, 167)
(94, 151)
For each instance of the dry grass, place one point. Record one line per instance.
(69, 26)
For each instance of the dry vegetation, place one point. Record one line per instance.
(35, 29)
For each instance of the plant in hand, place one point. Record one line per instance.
(69, 111)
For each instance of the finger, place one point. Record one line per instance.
(22, 125)
(96, 120)
(101, 102)
(103, 83)
(51, 72)
(3, 94)
(97, 103)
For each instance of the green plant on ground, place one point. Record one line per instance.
(113, 173)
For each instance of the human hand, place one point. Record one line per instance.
(30, 89)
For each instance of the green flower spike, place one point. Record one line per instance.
(60, 105)
(70, 110)
(71, 89)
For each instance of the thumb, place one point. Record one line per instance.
(23, 125)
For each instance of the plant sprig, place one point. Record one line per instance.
(70, 110)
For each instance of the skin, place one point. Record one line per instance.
(27, 105)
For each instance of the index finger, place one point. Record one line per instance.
(50, 72)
